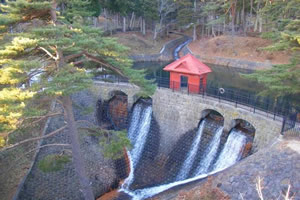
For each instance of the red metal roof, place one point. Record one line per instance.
(188, 64)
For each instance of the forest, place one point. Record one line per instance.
(52, 49)
(277, 20)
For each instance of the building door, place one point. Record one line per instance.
(183, 81)
(201, 85)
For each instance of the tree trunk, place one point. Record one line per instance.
(195, 25)
(224, 26)
(53, 11)
(233, 15)
(144, 27)
(72, 130)
(195, 32)
(124, 24)
(141, 24)
(76, 154)
(251, 8)
(213, 31)
(243, 17)
(257, 17)
(260, 23)
(155, 32)
(132, 20)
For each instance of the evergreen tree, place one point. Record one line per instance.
(55, 59)
(284, 20)
(184, 14)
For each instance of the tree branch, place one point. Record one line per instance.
(94, 59)
(108, 66)
(78, 62)
(48, 145)
(34, 139)
(48, 53)
(45, 116)
(70, 57)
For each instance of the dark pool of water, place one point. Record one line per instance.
(222, 76)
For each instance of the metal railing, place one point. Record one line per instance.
(275, 108)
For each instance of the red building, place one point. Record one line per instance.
(188, 72)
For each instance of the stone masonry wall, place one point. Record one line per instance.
(177, 113)
(105, 91)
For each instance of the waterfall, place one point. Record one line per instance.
(188, 162)
(138, 131)
(134, 122)
(210, 153)
(232, 150)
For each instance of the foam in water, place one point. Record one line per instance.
(232, 150)
(187, 165)
(139, 130)
(210, 153)
(134, 122)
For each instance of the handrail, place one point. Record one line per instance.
(274, 108)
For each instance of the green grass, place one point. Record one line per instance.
(53, 163)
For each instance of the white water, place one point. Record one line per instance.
(232, 150)
(138, 131)
(151, 191)
(188, 162)
(134, 122)
(140, 128)
(210, 153)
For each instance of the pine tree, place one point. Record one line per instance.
(284, 21)
(55, 59)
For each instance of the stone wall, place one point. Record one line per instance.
(105, 91)
(177, 113)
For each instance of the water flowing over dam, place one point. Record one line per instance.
(187, 167)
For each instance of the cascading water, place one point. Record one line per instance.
(210, 153)
(187, 165)
(138, 131)
(232, 150)
(134, 122)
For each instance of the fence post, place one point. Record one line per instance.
(173, 86)
(274, 113)
(158, 82)
(255, 99)
(283, 125)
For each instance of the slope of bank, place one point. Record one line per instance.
(140, 44)
(278, 166)
(247, 52)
